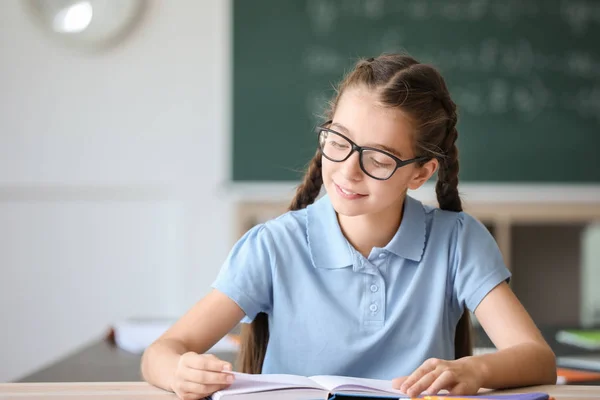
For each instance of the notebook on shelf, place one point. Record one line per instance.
(294, 387)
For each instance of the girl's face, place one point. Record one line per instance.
(359, 117)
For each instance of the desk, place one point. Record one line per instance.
(143, 391)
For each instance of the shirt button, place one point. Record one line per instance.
(381, 255)
(374, 288)
(373, 307)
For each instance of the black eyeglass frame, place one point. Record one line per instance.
(399, 163)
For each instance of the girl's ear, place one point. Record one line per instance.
(423, 173)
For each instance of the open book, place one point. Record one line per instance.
(294, 387)
(291, 387)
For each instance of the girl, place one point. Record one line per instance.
(367, 281)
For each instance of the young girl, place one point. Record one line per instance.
(367, 281)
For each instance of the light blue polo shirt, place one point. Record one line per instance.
(333, 311)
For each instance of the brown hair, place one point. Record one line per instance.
(421, 93)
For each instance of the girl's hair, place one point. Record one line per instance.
(419, 91)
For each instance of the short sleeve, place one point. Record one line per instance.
(479, 266)
(246, 275)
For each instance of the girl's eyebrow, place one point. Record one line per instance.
(340, 127)
(374, 145)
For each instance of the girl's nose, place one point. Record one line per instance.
(351, 167)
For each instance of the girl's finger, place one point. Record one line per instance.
(208, 363)
(446, 380)
(415, 376)
(207, 377)
(191, 396)
(193, 388)
(200, 389)
(213, 388)
(419, 387)
(397, 382)
(462, 388)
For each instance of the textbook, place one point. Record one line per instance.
(266, 386)
(323, 387)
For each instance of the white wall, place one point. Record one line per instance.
(109, 169)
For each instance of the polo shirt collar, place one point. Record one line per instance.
(409, 240)
(330, 249)
(328, 246)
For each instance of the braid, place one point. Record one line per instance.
(446, 188)
(448, 199)
(255, 337)
(310, 187)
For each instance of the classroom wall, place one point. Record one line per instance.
(110, 169)
(113, 169)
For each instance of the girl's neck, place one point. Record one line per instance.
(371, 230)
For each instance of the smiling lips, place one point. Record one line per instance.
(347, 194)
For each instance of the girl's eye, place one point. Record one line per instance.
(338, 145)
(379, 164)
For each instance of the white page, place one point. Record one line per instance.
(283, 394)
(250, 383)
(340, 383)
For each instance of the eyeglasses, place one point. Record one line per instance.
(376, 163)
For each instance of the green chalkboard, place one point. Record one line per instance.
(525, 75)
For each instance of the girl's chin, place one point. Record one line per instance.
(348, 208)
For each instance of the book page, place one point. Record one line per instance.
(250, 383)
(342, 383)
(276, 394)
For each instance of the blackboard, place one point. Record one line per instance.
(525, 75)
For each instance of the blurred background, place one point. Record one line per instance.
(140, 139)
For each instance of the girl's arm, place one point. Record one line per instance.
(197, 331)
(523, 357)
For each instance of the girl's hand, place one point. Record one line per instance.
(200, 375)
(459, 377)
